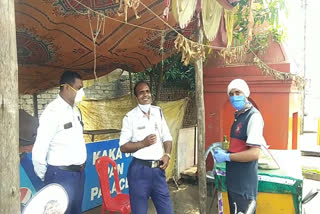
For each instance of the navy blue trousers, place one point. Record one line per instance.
(145, 182)
(73, 183)
(241, 201)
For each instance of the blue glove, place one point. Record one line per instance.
(221, 156)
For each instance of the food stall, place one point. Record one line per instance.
(279, 190)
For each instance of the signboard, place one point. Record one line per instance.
(92, 192)
(30, 183)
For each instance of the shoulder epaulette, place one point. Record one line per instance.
(157, 107)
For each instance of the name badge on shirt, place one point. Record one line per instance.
(67, 125)
(141, 127)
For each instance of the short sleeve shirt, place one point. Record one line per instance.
(255, 130)
(136, 126)
(247, 130)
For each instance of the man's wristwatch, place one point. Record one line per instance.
(167, 154)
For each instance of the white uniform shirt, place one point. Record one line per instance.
(136, 126)
(255, 130)
(59, 139)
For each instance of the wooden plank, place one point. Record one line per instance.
(185, 148)
(9, 115)
(311, 176)
(192, 171)
(311, 151)
(201, 130)
(311, 171)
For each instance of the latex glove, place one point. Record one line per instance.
(221, 156)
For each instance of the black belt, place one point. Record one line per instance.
(74, 168)
(149, 163)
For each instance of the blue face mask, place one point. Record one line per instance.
(238, 102)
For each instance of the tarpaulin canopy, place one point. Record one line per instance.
(57, 35)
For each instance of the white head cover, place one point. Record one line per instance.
(240, 85)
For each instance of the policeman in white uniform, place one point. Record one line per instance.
(59, 152)
(145, 134)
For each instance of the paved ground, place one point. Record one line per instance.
(185, 200)
(309, 142)
(312, 207)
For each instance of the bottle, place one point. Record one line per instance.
(225, 143)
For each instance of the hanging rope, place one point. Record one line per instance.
(94, 35)
(278, 75)
(193, 50)
(113, 19)
(147, 28)
(82, 13)
(163, 34)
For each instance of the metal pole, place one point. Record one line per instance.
(130, 79)
(35, 105)
(304, 64)
(318, 141)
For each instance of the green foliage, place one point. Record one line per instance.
(265, 13)
(174, 73)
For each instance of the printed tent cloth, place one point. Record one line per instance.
(55, 35)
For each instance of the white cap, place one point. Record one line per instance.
(240, 85)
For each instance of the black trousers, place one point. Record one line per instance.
(239, 201)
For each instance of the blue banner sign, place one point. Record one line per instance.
(92, 193)
(30, 183)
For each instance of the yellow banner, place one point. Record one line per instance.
(108, 114)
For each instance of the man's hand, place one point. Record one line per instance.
(40, 169)
(149, 140)
(221, 156)
(131, 147)
(165, 159)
